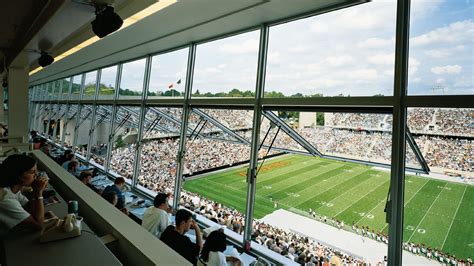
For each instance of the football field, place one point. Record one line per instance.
(438, 214)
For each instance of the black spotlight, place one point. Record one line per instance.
(45, 59)
(106, 21)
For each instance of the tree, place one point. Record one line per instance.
(119, 141)
(320, 119)
(274, 94)
(297, 95)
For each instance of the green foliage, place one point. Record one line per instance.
(119, 141)
(320, 119)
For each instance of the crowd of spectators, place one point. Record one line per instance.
(296, 247)
(437, 121)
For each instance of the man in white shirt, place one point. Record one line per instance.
(156, 217)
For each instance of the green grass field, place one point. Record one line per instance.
(439, 214)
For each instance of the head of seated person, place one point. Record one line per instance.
(72, 167)
(85, 177)
(216, 242)
(20, 171)
(161, 201)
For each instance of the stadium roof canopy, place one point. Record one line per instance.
(177, 25)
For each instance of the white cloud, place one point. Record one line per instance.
(273, 57)
(420, 9)
(449, 69)
(339, 60)
(440, 81)
(364, 74)
(376, 43)
(456, 32)
(382, 59)
(368, 16)
(436, 53)
(248, 46)
(413, 65)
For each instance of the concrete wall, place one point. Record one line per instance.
(307, 119)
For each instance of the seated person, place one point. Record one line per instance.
(174, 236)
(15, 209)
(46, 149)
(112, 198)
(68, 155)
(69, 158)
(72, 168)
(33, 135)
(119, 183)
(156, 217)
(85, 178)
(213, 250)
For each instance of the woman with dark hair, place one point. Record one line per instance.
(215, 245)
(16, 172)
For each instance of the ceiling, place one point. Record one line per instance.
(53, 26)
(177, 25)
(21, 19)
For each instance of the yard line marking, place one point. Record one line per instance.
(315, 184)
(327, 189)
(454, 217)
(406, 203)
(383, 183)
(307, 176)
(354, 187)
(381, 201)
(426, 213)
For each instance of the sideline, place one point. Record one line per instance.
(371, 250)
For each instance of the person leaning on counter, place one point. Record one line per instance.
(16, 172)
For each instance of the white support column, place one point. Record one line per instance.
(18, 97)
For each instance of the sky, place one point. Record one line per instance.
(349, 52)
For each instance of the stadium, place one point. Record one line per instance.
(312, 133)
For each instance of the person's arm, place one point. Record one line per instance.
(36, 205)
(198, 234)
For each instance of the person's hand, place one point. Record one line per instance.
(39, 184)
(125, 211)
(194, 225)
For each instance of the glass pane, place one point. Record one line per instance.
(43, 119)
(64, 91)
(168, 74)
(82, 129)
(131, 84)
(76, 87)
(89, 85)
(438, 206)
(227, 67)
(100, 134)
(69, 125)
(347, 52)
(159, 150)
(51, 87)
(107, 82)
(124, 132)
(214, 167)
(441, 50)
(61, 116)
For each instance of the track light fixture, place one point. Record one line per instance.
(106, 21)
(45, 59)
